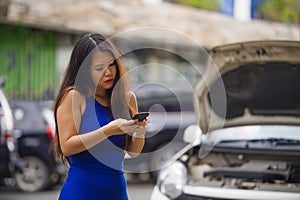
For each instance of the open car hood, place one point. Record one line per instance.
(248, 84)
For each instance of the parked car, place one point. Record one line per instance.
(10, 161)
(35, 121)
(171, 111)
(251, 150)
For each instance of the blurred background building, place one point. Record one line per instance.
(37, 36)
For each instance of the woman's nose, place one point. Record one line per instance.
(107, 71)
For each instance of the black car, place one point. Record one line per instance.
(171, 111)
(35, 121)
(9, 158)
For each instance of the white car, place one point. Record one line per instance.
(248, 114)
(10, 161)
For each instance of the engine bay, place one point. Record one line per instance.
(247, 170)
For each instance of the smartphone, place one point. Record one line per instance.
(141, 116)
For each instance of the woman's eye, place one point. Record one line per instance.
(99, 69)
(112, 64)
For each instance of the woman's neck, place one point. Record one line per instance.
(103, 98)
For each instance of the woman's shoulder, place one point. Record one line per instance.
(75, 97)
(74, 93)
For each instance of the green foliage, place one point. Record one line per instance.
(203, 4)
(281, 10)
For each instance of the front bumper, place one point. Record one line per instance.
(201, 193)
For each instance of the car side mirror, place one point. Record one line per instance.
(192, 135)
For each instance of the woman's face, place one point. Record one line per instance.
(103, 70)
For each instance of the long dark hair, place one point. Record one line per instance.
(77, 76)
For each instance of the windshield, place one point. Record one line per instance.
(257, 132)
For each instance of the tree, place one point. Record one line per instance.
(281, 10)
(203, 4)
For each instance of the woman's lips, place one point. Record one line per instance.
(109, 81)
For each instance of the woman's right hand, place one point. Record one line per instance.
(121, 126)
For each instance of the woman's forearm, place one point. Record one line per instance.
(81, 142)
(136, 146)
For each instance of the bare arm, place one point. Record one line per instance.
(69, 118)
(137, 143)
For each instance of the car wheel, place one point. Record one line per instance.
(34, 176)
(160, 157)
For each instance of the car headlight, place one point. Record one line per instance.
(172, 179)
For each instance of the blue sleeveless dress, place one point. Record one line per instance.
(97, 173)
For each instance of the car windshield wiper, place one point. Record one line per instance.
(273, 141)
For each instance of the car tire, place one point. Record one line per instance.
(162, 155)
(34, 176)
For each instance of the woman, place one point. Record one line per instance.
(93, 114)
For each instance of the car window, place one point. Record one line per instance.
(168, 98)
(169, 103)
(28, 115)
